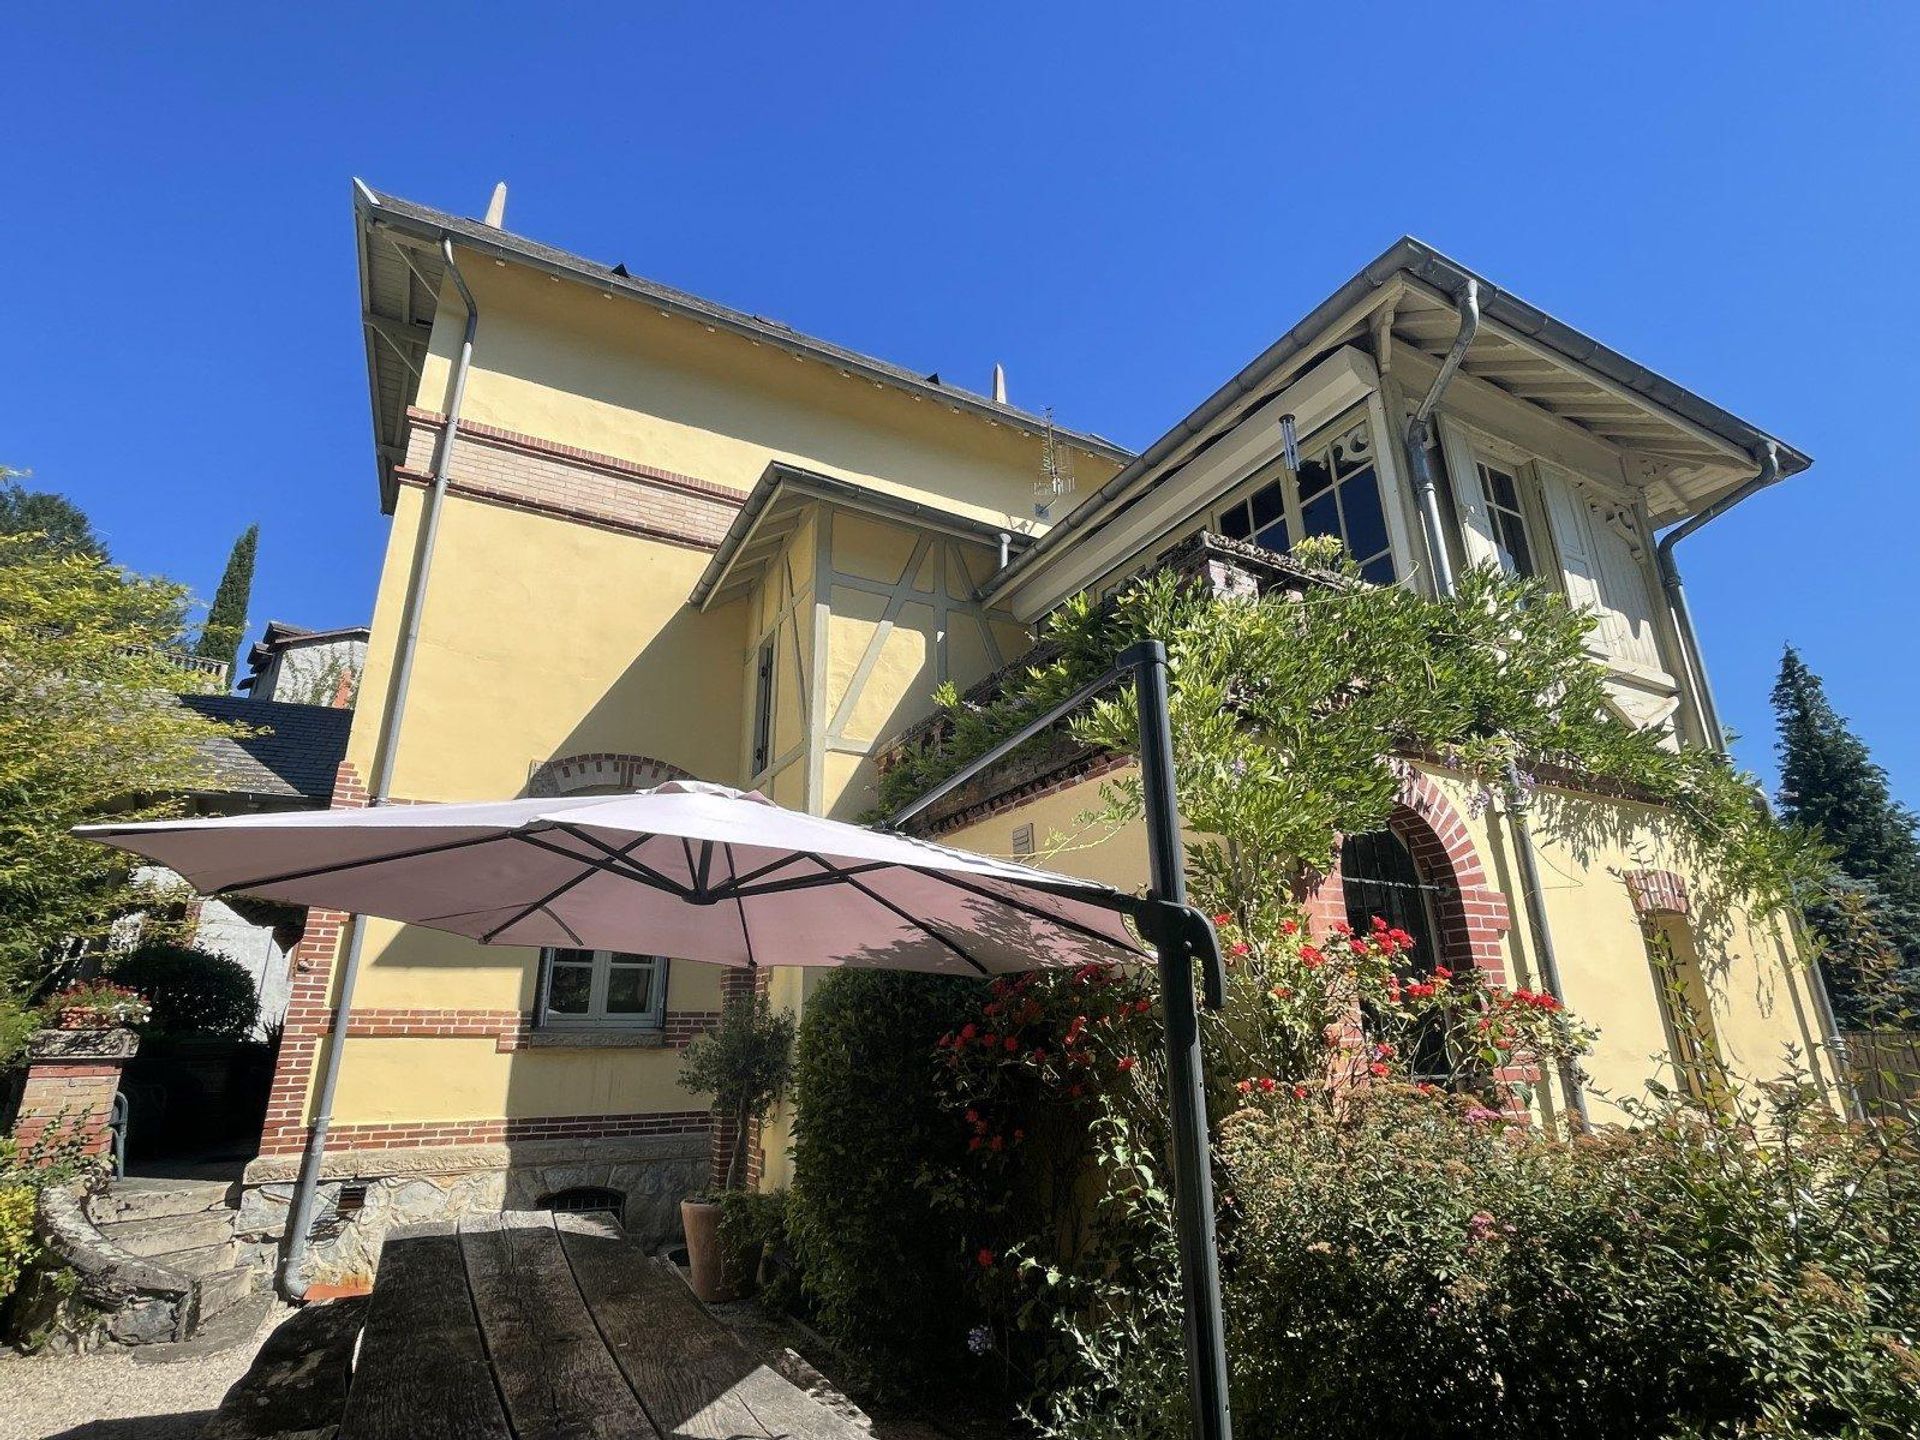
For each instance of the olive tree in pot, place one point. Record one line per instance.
(744, 1063)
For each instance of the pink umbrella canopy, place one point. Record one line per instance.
(690, 870)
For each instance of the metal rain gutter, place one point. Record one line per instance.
(1690, 655)
(300, 1217)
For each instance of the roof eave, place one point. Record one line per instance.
(430, 225)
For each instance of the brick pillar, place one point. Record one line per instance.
(72, 1076)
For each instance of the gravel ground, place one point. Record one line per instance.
(157, 1393)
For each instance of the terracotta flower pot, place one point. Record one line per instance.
(706, 1263)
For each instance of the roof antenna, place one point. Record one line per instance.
(999, 383)
(497, 206)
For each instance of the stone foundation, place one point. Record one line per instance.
(389, 1187)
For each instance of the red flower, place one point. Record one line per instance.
(1245, 1087)
(1379, 1068)
(944, 1041)
(1311, 958)
(1280, 992)
(1401, 938)
(1239, 947)
(1142, 1007)
(973, 1117)
(998, 1143)
(1379, 926)
(1342, 929)
(985, 1257)
(1358, 947)
(1267, 1084)
(1127, 1062)
(1039, 1056)
(1441, 972)
(1299, 1092)
(1223, 919)
(974, 1142)
(1012, 1043)
(990, 1039)
(968, 1031)
(1289, 927)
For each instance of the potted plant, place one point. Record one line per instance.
(744, 1063)
(98, 1005)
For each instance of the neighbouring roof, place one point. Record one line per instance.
(293, 757)
(775, 507)
(1702, 450)
(279, 635)
(398, 295)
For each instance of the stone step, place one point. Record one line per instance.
(200, 1262)
(161, 1235)
(222, 1290)
(141, 1198)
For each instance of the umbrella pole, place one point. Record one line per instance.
(1192, 1163)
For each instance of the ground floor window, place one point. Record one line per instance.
(602, 987)
(1378, 876)
(1686, 1008)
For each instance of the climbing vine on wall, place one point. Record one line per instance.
(1290, 713)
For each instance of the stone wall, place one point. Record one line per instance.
(365, 1193)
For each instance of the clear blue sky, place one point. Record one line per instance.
(1123, 204)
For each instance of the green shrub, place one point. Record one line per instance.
(17, 1246)
(881, 1260)
(1393, 1267)
(192, 991)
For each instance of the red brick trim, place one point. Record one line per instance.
(612, 464)
(422, 1133)
(1658, 892)
(508, 1029)
(491, 496)
(1095, 766)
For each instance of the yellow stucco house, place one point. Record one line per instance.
(637, 535)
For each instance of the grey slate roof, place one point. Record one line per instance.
(294, 756)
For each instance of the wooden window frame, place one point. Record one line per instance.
(1386, 480)
(654, 1017)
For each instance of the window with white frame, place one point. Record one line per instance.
(1507, 514)
(1335, 492)
(602, 987)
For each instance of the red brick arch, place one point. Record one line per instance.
(571, 774)
(1472, 915)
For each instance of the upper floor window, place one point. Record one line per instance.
(1507, 512)
(602, 987)
(1336, 492)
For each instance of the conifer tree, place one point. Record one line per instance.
(226, 623)
(1828, 780)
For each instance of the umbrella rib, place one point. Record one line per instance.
(746, 938)
(633, 869)
(767, 869)
(879, 899)
(1062, 921)
(341, 866)
(552, 895)
(810, 882)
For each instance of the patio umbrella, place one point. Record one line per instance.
(691, 870)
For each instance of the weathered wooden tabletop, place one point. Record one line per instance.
(551, 1327)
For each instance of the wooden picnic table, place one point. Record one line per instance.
(535, 1326)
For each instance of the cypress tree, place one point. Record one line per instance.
(1829, 781)
(226, 623)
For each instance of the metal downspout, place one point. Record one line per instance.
(300, 1218)
(1419, 432)
(1420, 466)
(1545, 957)
(1707, 712)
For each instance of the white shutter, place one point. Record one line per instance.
(1475, 523)
(1623, 580)
(1568, 515)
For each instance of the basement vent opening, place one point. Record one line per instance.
(585, 1200)
(352, 1198)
